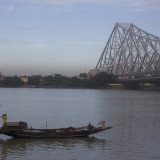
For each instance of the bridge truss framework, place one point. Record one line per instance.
(131, 53)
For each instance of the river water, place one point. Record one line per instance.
(137, 139)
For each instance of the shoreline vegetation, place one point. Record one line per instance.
(100, 81)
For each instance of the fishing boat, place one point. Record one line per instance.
(21, 130)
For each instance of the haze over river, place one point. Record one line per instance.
(137, 139)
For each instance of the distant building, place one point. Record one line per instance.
(57, 75)
(82, 76)
(50, 75)
(24, 79)
(1, 76)
(91, 74)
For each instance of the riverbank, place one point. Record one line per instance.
(100, 81)
(108, 86)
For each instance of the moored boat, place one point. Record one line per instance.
(21, 130)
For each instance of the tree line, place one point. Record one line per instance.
(101, 80)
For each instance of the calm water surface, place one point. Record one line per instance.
(137, 139)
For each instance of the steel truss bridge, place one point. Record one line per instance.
(131, 54)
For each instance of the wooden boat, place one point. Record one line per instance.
(20, 130)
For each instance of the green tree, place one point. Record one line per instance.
(101, 80)
(34, 80)
(47, 81)
(74, 82)
(83, 75)
(14, 81)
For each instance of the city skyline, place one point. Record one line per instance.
(65, 36)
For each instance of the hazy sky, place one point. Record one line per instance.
(65, 36)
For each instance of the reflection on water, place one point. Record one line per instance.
(44, 148)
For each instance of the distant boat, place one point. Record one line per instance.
(21, 130)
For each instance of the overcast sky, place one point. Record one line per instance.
(65, 36)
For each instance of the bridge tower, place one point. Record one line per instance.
(130, 52)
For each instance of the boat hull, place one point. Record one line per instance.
(51, 133)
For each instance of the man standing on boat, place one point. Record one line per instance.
(4, 119)
(103, 124)
(90, 126)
